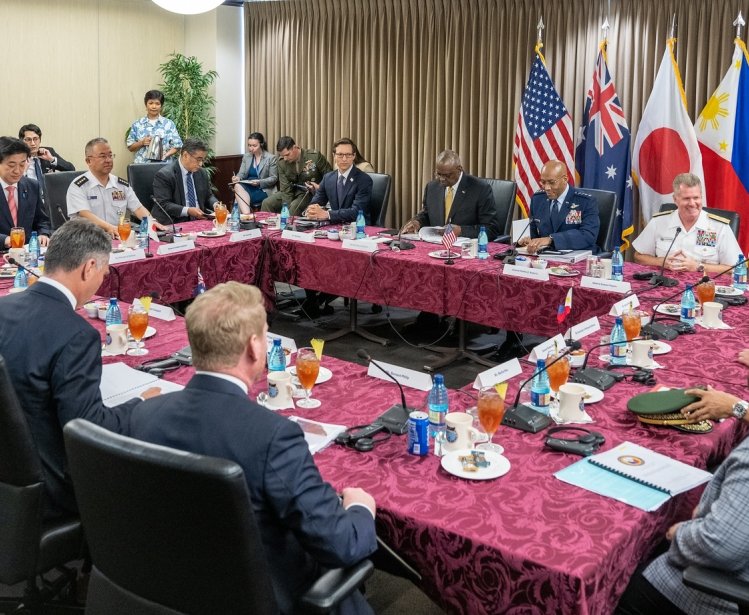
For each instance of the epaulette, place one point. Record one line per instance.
(79, 181)
(539, 192)
(586, 195)
(722, 219)
(663, 213)
(124, 182)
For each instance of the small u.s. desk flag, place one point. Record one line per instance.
(565, 309)
(448, 238)
(200, 288)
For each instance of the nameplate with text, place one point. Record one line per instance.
(586, 327)
(128, 256)
(544, 350)
(362, 245)
(162, 312)
(297, 236)
(526, 272)
(287, 343)
(171, 248)
(601, 284)
(499, 373)
(254, 233)
(623, 306)
(407, 377)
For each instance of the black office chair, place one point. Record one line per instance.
(30, 547)
(606, 202)
(140, 177)
(503, 191)
(716, 583)
(57, 190)
(378, 203)
(733, 217)
(174, 532)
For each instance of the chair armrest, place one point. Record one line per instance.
(502, 239)
(716, 583)
(335, 585)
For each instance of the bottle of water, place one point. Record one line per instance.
(143, 233)
(739, 274)
(114, 316)
(34, 250)
(483, 243)
(234, 221)
(284, 216)
(540, 389)
(276, 357)
(438, 406)
(617, 265)
(618, 343)
(21, 280)
(360, 224)
(688, 306)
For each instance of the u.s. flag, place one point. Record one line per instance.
(544, 132)
(602, 157)
(448, 238)
(200, 288)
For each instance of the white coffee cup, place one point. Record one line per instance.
(522, 261)
(460, 432)
(18, 254)
(606, 264)
(711, 314)
(571, 404)
(280, 390)
(642, 353)
(116, 339)
(540, 263)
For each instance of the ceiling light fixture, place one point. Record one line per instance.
(188, 7)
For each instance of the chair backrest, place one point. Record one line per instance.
(503, 191)
(21, 489)
(734, 218)
(378, 203)
(606, 202)
(56, 198)
(140, 177)
(167, 527)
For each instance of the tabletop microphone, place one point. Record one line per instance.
(659, 331)
(598, 378)
(13, 261)
(660, 279)
(62, 214)
(401, 244)
(167, 238)
(508, 256)
(396, 417)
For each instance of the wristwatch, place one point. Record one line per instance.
(739, 409)
(701, 268)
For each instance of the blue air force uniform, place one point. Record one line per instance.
(574, 226)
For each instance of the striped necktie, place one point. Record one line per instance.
(192, 200)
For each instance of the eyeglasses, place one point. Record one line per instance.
(103, 157)
(32, 139)
(549, 182)
(199, 159)
(337, 155)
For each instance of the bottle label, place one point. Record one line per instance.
(619, 350)
(541, 399)
(437, 417)
(688, 313)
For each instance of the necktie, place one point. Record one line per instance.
(341, 186)
(12, 204)
(448, 202)
(38, 169)
(192, 200)
(555, 208)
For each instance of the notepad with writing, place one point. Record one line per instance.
(120, 382)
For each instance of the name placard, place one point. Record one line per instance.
(526, 272)
(180, 246)
(544, 350)
(254, 233)
(362, 245)
(499, 373)
(297, 236)
(610, 285)
(128, 256)
(162, 312)
(620, 307)
(407, 377)
(286, 342)
(586, 327)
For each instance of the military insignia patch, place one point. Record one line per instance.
(707, 238)
(118, 195)
(574, 216)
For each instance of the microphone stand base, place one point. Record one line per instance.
(525, 418)
(659, 280)
(395, 419)
(659, 331)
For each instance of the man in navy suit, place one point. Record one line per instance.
(303, 523)
(562, 217)
(45, 159)
(20, 199)
(183, 188)
(458, 198)
(346, 191)
(54, 355)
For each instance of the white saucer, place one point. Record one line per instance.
(211, 234)
(660, 347)
(728, 291)
(561, 272)
(498, 465)
(322, 376)
(443, 255)
(669, 309)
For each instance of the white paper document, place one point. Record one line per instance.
(120, 382)
(318, 435)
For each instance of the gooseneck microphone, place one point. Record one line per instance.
(168, 217)
(508, 256)
(13, 261)
(598, 378)
(396, 417)
(659, 331)
(62, 214)
(660, 279)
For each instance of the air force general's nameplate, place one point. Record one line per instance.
(526, 272)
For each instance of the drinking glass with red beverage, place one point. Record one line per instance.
(17, 237)
(307, 369)
(705, 292)
(221, 214)
(632, 324)
(137, 323)
(491, 411)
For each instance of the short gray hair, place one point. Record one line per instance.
(191, 145)
(690, 180)
(90, 145)
(450, 157)
(74, 243)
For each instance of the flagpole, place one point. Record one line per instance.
(605, 42)
(739, 23)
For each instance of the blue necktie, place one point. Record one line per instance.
(341, 186)
(192, 200)
(555, 210)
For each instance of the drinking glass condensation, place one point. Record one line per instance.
(491, 411)
(137, 323)
(307, 369)
(705, 291)
(17, 237)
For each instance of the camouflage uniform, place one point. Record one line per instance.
(309, 167)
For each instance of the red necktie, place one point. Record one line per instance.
(12, 204)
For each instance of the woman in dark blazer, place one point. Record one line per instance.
(258, 174)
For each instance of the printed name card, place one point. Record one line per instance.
(407, 377)
(362, 245)
(544, 350)
(578, 332)
(499, 373)
(128, 256)
(623, 306)
(180, 246)
(542, 275)
(601, 284)
(297, 236)
(286, 342)
(162, 312)
(254, 233)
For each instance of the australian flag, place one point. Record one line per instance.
(602, 157)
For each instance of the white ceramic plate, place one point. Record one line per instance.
(728, 291)
(322, 376)
(498, 465)
(669, 309)
(660, 347)
(561, 272)
(443, 255)
(593, 395)
(211, 234)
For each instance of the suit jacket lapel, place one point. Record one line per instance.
(5, 210)
(180, 185)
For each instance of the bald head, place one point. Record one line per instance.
(553, 179)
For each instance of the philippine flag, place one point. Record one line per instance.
(565, 309)
(666, 144)
(722, 129)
